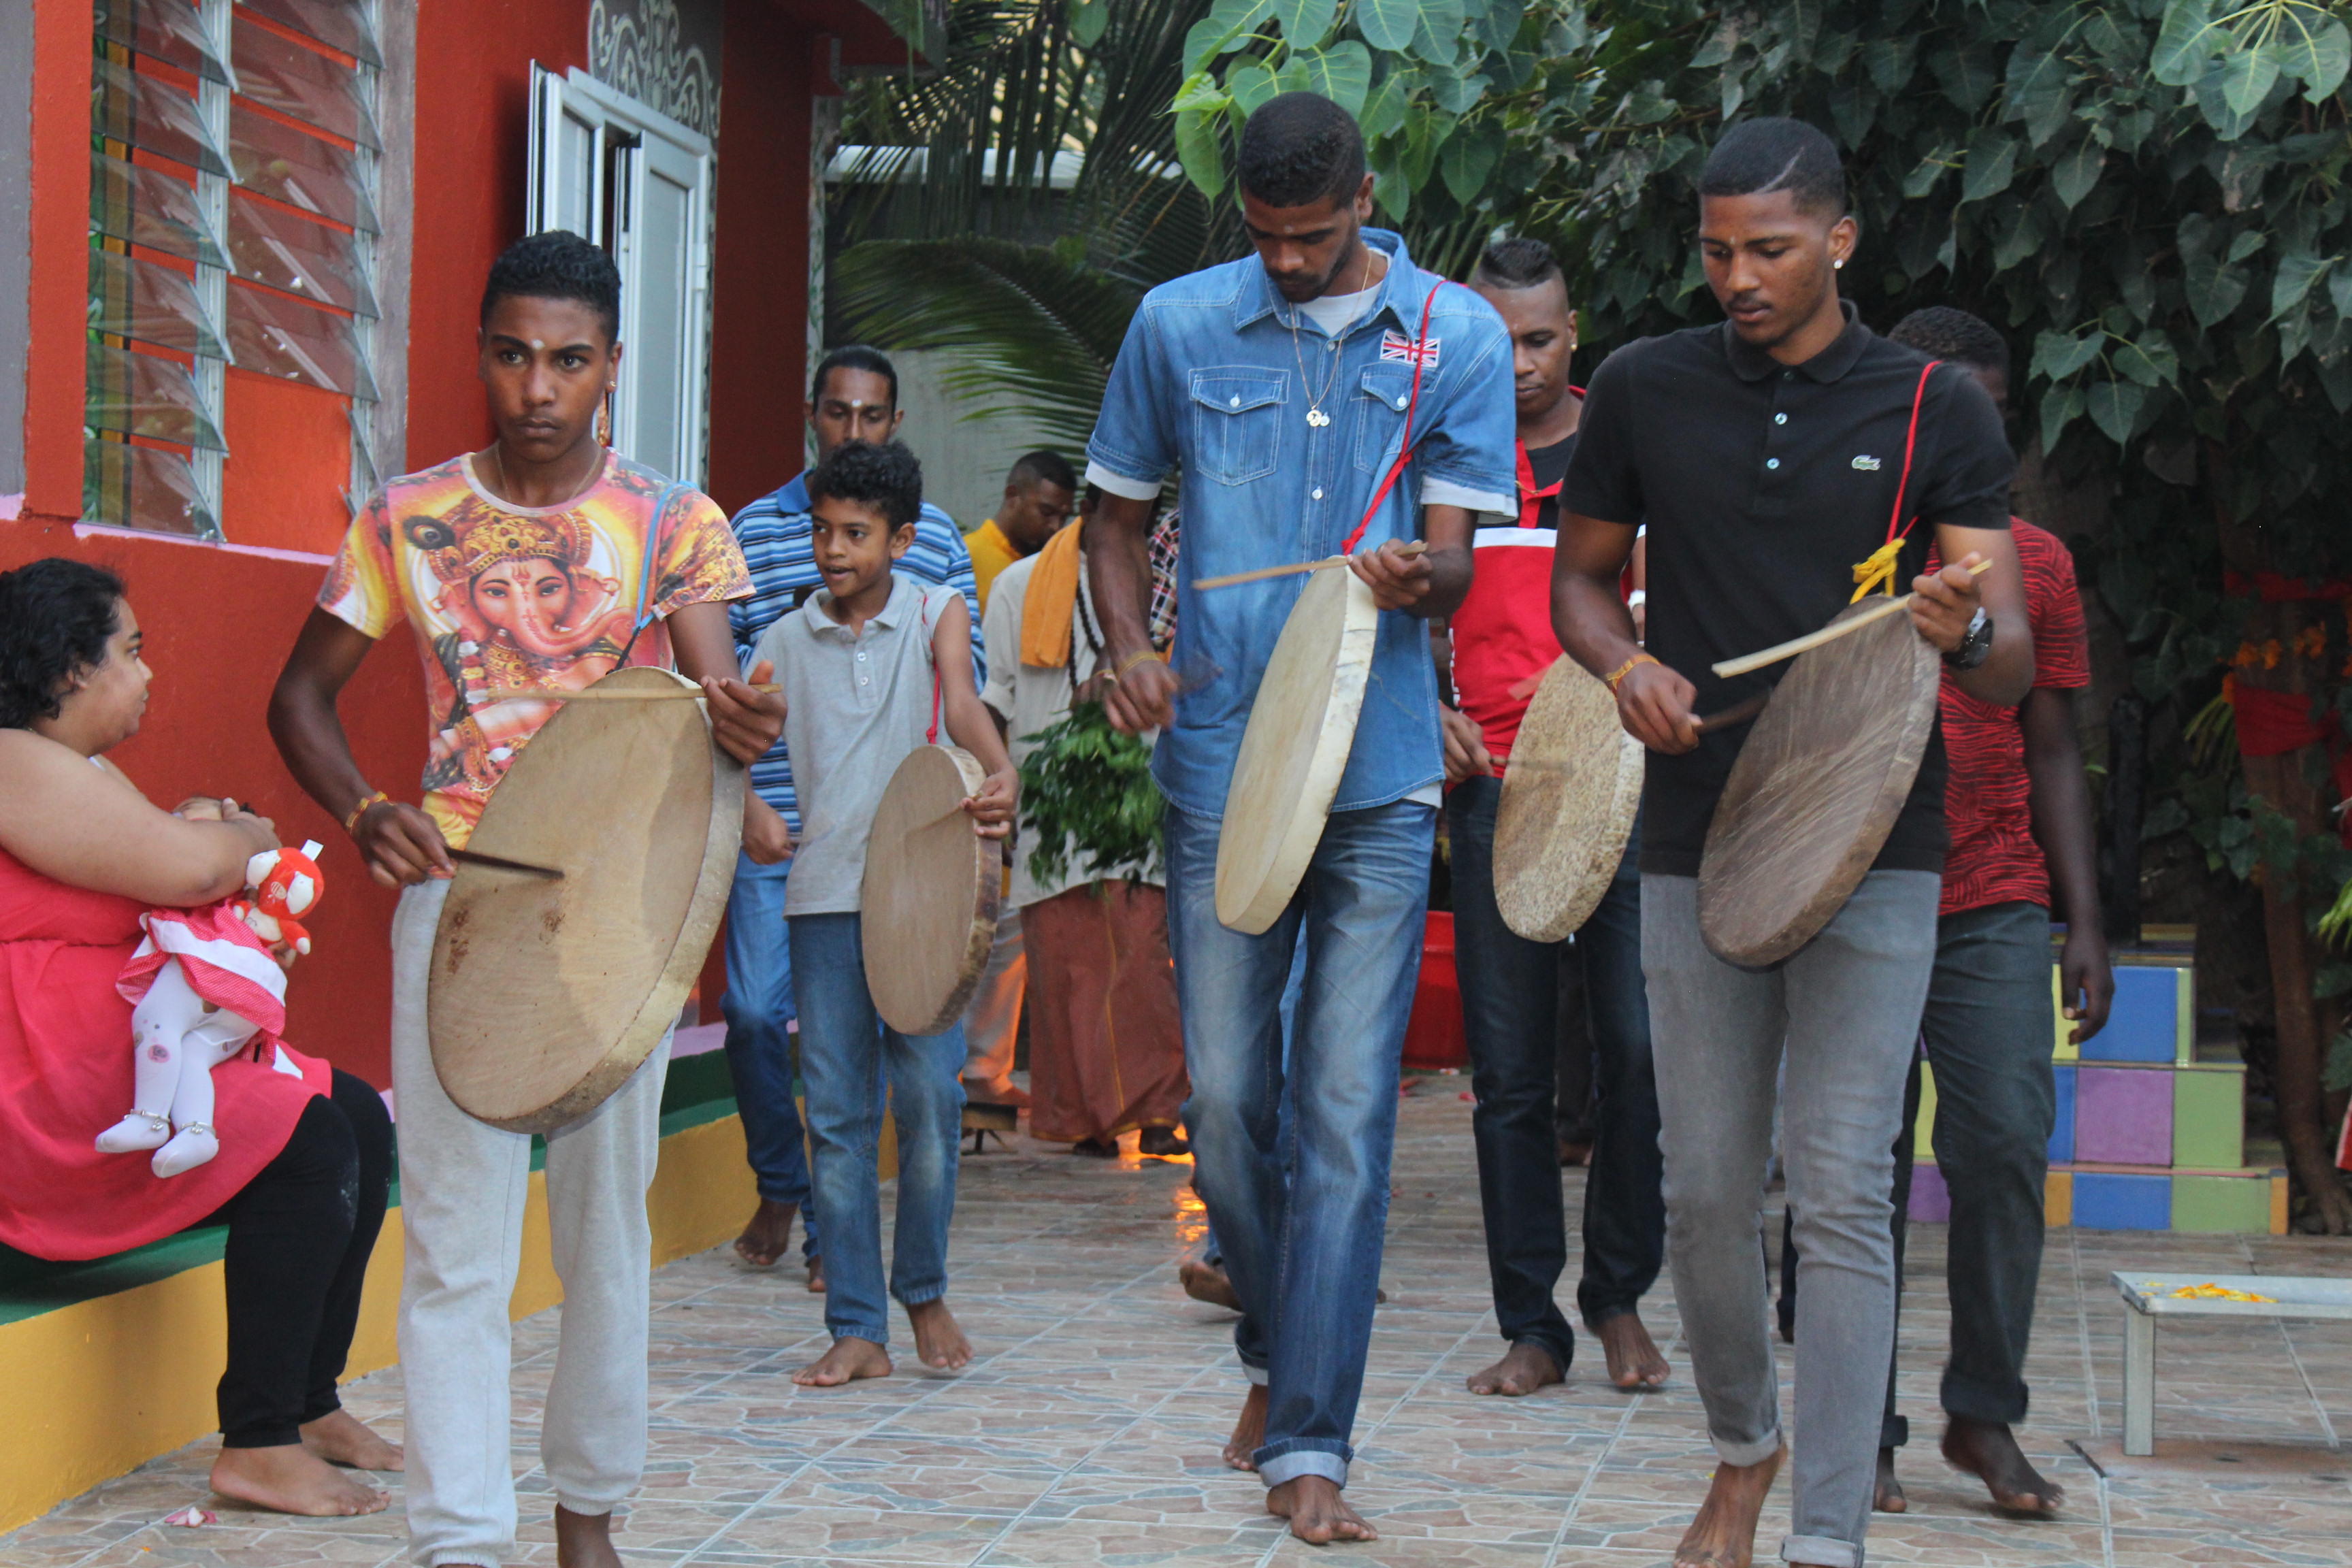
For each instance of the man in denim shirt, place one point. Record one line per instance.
(1280, 385)
(853, 397)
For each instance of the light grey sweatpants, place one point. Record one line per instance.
(463, 1184)
(1847, 1008)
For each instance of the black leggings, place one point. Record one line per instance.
(298, 1239)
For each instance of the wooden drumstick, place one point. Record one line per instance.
(1262, 573)
(500, 863)
(1737, 713)
(1830, 633)
(655, 694)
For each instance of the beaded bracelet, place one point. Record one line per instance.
(372, 798)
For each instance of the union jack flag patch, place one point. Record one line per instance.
(1421, 352)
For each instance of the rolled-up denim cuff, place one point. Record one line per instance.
(1754, 1453)
(1287, 1461)
(1257, 1374)
(1821, 1551)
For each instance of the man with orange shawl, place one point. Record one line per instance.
(1106, 1052)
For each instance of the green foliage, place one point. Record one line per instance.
(1443, 89)
(1087, 787)
(1037, 328)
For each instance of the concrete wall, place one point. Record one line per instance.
(964, 460)
(15, 218)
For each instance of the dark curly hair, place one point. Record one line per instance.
(54, 617)
(557, 264)
(1940, 331)
(885, 478)
(1300, 148)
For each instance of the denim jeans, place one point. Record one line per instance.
(1843, 1014)
(1513, 994)
(1304, 1254)
(845, 1053)
(758, 1004)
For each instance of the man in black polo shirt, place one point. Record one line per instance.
(1765, 456)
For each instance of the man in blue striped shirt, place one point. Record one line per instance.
(853, 397)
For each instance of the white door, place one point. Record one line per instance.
(637, 183)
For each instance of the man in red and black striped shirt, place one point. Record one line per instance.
(2018, 808)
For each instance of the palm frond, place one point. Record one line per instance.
(1034, 329)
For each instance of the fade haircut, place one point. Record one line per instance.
(1939, 332)
(1518, 264)
(1300, 148)
(556, 264)
(1759, 156)
(883, 477)
(855, 356)
(1047, 466)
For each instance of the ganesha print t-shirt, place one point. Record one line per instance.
(506, 596)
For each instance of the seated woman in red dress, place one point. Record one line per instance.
(305, 1150)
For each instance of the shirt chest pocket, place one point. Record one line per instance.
(1237, 424)
(1382, 396)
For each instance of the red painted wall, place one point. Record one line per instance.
(473, 104)
(218, 622)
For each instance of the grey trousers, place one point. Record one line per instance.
(1846, 1009)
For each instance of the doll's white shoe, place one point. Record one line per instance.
(138, 1130)
(190, 1147)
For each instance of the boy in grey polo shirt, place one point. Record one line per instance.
(873, 666)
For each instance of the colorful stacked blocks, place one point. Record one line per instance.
(2146, 1137)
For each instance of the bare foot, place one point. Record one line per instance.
(1634, 1358)
(1011, 1094)
(1988, 1450)
(1318, 1514)
(1724, 1533)
(584, 1540)
(768, 1235)
(1207, 1282)
(1249, 1431)
(1524, 1367)
(1572, 1154)
(290, 1478)
(341, 1438)
(816, 1275)
(1098, 1148)
(848, 1360)
(939, 1339)
(1889, 1498)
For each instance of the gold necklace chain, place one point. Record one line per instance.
(1315, 414)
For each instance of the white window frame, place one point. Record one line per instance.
(619, 130)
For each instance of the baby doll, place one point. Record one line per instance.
(202, 986)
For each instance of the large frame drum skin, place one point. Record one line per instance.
(1570, 791)
(929, 899)
(546, 993)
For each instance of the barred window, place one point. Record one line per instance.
(232, 222)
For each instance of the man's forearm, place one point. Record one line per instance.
(316, 751)
(1118, 565)
(1592, 621)
(2060, 803)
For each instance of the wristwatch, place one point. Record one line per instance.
(1976, 643)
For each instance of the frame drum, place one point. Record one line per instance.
(1570, 791)
(545, 995)
(1816, 790)
(1301, 726)
(929, 900)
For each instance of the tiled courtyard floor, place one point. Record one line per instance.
(1087, 1431)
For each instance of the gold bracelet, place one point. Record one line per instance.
(1627, 669)
(1131, 660)
(372, 798)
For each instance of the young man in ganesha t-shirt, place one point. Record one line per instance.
(542, 563)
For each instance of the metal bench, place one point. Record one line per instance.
(2149, 1297)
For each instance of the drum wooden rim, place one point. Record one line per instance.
(1570, 791)
(494, 1032)
(927, 902)
(1302, 725)
(1815, 790)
